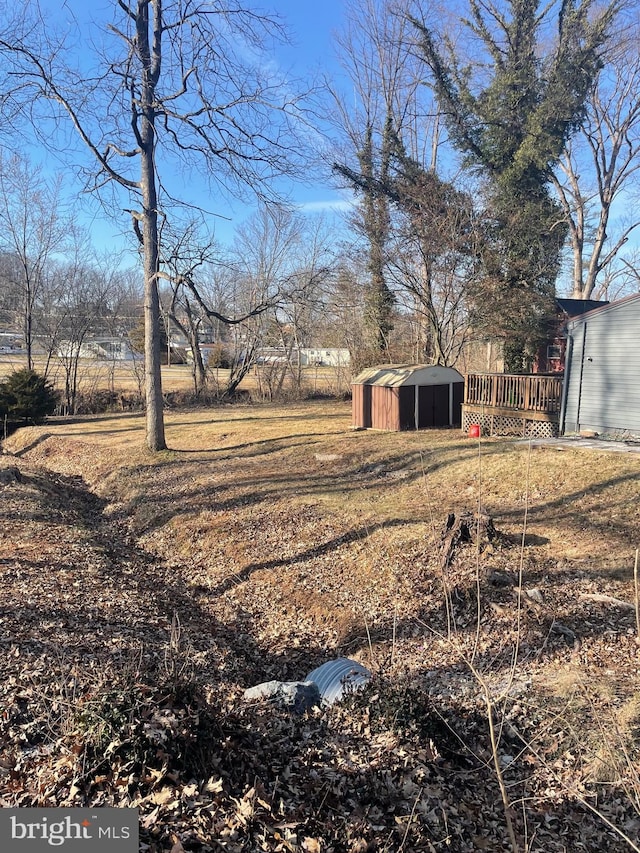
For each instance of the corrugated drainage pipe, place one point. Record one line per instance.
(337, 677)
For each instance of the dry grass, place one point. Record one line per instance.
(126, 377)
(291, 538)
(270, 495)
(583, 507)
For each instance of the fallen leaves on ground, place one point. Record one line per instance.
(130, 629)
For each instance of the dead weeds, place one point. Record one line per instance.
(142, 593)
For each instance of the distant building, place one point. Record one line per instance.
(551, 356)
(101, 349)
(486, 355)
(325, 357)
(305, 356)
(11, 342)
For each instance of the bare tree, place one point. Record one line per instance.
(599, 172)
(82, 309)
(187, 266)
(391, 117)
(432, 260)
(256, 279)
(343, 324)
(82, 299)
(297, 316)
(11, 300)
(374, 52)
(281, 258)
(177, 82)
(33, 227)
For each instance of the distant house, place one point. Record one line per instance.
(11, 342)
(486, 355)
(325, 357)
(602, 370)
(551, 356)
(587, 378)
(102, 349)
(305, 356)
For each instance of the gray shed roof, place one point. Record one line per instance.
(395, 375)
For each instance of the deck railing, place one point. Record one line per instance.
(530, 393)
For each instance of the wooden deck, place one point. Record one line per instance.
(505, 403)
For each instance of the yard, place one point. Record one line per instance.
(125, 377)
(142, 594)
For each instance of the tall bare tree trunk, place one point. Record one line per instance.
(28, 326)
(153, 378)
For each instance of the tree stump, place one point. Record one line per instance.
(467, 528)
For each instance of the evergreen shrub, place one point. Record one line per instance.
(26, 396)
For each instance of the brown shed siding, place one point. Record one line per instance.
(385, 408)
(361, 406)
(407, 397)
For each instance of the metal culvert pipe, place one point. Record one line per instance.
(337, 677)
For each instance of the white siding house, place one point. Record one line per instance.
(103, 349)
(325, 357)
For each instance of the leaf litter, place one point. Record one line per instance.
(139, 599)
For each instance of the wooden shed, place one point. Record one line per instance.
(602, 370)
(407, 396)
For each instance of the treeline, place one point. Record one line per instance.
(490, 151)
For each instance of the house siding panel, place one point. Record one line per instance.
(603, 390)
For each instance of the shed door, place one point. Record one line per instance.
(366, 406)
(407, 402)
(433, 406)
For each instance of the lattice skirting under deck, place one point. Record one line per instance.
(516, 424)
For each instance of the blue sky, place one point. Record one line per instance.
(311, 24)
